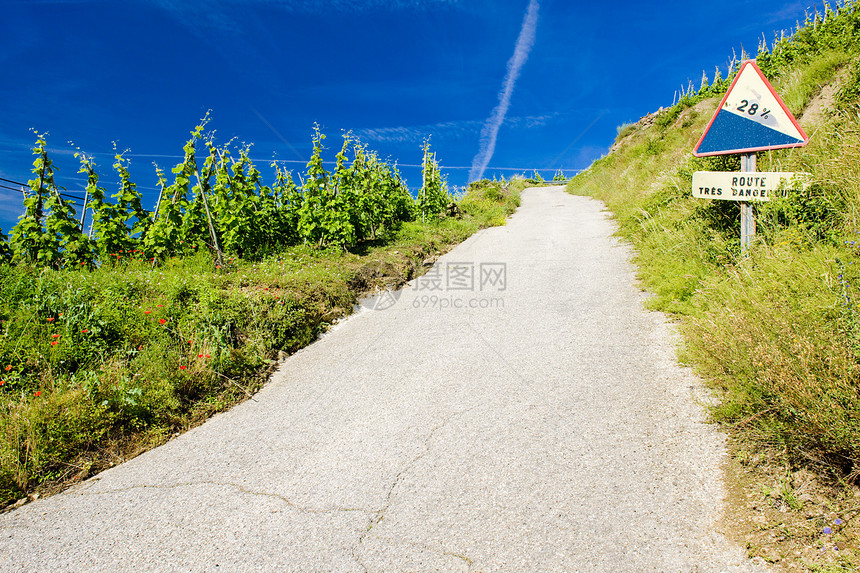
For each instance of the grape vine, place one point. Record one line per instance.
(219, 202)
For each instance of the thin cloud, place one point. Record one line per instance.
(218, 14)
(445, 130)
(12, 207)
(490, 133)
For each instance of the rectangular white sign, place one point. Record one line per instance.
(745, 186)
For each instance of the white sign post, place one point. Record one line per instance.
(751, 118)
(747, 215)
(749, 186)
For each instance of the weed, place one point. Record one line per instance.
(96, 365)
(776, 332)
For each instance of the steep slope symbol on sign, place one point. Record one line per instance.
(751, 118)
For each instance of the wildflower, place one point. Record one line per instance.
(837, 521)
(38, 393)
(182, 367)
(161, 321)
(54, 343)
(159, 306)
(85, 330)
(8, 368)
(207, 356)
(55, 336)
(827, 531)
(147, 312)
(2, 382)
(199, 356)
(51, 319)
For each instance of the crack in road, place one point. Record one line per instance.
(242, 489)
(380, 514)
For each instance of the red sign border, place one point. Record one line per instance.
(751, 149)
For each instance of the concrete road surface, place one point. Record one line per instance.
(515, 409)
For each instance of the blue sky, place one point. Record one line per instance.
(142, 72)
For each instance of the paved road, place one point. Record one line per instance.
(515, 410)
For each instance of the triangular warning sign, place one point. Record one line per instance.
(750, 118)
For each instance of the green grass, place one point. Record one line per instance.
(99, 365)
(777, 332)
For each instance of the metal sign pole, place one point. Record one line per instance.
(748, 164)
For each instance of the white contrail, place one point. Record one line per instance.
(491, 128)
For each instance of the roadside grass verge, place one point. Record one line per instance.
(99, 365)
(776, 332)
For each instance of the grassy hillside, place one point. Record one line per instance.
(777, 331)
(99, 364)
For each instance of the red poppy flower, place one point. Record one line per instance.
(8, 368)
(147, 312)
(55, 336)
(182, 367)
(51, 319)
(199, 356)
(86, 330)
(159, 305)
(207, 356)
(38, 393)
(54, 343)
(161, 321)
(2, 382)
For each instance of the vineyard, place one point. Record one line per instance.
(219, 203)
(120, 326)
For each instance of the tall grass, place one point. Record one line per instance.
(776, 332)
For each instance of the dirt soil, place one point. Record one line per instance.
(792, 518)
